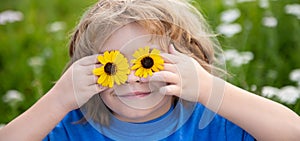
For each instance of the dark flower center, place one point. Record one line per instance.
(147, 62)
(110, 68)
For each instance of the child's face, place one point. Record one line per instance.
(137, 100)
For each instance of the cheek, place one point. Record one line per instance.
(109, 100)
(116, 106)
(114, 103)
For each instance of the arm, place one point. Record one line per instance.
(71, 91)
(37, 121)
(262, 118)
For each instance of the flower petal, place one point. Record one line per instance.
(117, 80)
(155, 69)
(134, 67)
(160, 67)
(102, 79)
(114, 56)
(111, 82)
(106, 56)
(136, 54)
(98, 71)
(146, 50)
(101, 59)
(145, 74)
(122, 65)
(139, 72)
(150, 72)
(105, 83)
(155, 51)
(111, 53)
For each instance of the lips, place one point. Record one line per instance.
(136, 94)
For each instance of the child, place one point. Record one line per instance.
(158, 102)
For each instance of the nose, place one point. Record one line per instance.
(133, 78)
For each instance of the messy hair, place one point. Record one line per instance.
(178, 20)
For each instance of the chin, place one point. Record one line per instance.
(128, 114)
(135, 115)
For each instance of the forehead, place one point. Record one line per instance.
(129, 38)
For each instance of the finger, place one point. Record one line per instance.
(170, 58)
(80, 80)
(167, 67)
(97, 65)
(170, 90)
(85, 70)
(170, 67)
(92, 69)
(97, 88)
(165, 76)
(91, 80)
(88, 60)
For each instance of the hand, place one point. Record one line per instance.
(78, 84)
(184, 75)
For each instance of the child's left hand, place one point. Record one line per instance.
(185, 77)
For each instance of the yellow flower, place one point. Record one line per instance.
(146, 63)
(115, 68)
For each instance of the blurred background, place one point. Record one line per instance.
(260, 39)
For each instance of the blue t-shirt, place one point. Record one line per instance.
(181, 123)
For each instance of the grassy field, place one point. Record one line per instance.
(262, 47)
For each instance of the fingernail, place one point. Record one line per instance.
(172, 45)
(171, 48)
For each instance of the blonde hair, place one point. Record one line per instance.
(176, 19)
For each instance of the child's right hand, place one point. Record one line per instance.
(78, 84)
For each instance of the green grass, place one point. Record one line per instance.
(29, 38)
(276, 50)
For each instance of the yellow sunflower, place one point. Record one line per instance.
(146, 62)
(115, 68)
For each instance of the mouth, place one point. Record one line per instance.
(135, 95)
